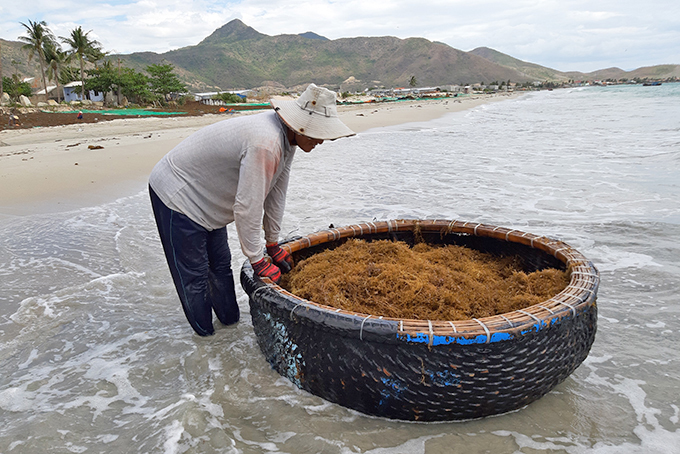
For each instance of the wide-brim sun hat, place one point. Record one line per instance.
(314, 114)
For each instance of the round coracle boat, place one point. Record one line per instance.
(429, 370)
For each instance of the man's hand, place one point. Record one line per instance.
(265, 269)
(281, 258)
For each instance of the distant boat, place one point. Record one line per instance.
(651, 84)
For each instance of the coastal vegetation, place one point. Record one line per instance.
(38, 36)
(157, 84)
(15, 87)
(229, 98)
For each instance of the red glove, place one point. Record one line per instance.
(265, 269)
(281, 258)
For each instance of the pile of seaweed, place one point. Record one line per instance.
(426, 282)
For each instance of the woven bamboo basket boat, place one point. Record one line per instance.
(429, 370)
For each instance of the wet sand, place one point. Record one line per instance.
(72, 166)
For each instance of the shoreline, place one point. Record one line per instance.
(62, 168)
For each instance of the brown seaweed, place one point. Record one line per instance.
(426, 282)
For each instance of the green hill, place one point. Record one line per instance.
(237, 56)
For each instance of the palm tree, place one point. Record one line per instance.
(38, 36)
(83, 47)
(96, 55)
(55, 59)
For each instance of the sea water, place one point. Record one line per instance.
(96, 355)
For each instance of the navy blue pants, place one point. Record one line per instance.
(200, 264)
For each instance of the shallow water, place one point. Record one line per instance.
(96, 355)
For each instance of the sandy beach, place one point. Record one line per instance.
(72, 166)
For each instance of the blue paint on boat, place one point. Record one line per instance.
(423, 338)
(391, 391)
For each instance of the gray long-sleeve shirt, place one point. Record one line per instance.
(235, 170)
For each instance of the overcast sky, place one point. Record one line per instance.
(578, 35)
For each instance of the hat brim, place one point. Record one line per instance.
(313, 125)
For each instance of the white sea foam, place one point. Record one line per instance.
(173, 435)
(610, 259)
(16, 399)
(413, 446)
(95, 348)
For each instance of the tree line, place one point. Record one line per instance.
(102, 75)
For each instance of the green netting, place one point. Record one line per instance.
(135, 112)
(146, 112)
(248, 104)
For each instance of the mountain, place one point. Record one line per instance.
(541, 73)
(312, 35)
(232, 32)
(531, 70)
(237, 56)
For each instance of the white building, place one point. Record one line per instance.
(50, 89)
(72, 92)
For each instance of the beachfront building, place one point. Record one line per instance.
(404, 92)
(51, 92)
(421, 91)
(72, 92)
(453, 88)
(207, 98)
(38, 92)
